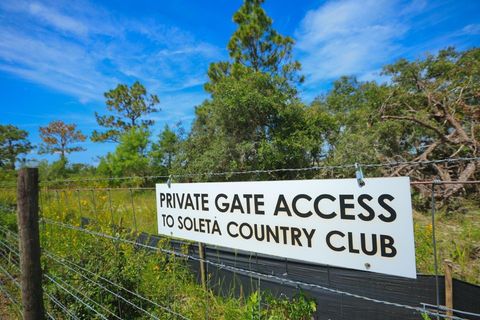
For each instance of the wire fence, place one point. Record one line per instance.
(206, 175)
(96, 307)
(76, 293)
(102, 204)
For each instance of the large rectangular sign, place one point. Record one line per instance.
(333, 222)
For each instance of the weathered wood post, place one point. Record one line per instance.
(201, 254)
(29, 244)
(448, 287)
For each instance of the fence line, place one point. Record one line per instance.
(249, 272)
(62, 262)
(417, 182)
(4, 291)
(269, 171)
(15, 302)
(86, 297)
(46, 276)
(75, 297)
(234, 269)
(15, 281)
(61, 306)
(219, 265)
(443, 308)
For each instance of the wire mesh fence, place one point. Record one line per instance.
(75, 212)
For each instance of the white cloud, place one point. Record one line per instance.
(82, 50)
(349, 37)
(471, 29)
(56, 19)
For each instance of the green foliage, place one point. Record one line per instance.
(160, 277)
(13, 142)
(349, 125)
(117, 264)
(62, 169)
(165, 151)
(436, 100)
(8, 219)
(257, 46)
(7, 177)
(248, 123)
(130, 156)
(128, 105)
(60, 138)
(429, 110)
(425, 316)
(53, 171)
(266, 306)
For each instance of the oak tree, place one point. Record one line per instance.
(438, 99)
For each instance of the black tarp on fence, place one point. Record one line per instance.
(330, 305)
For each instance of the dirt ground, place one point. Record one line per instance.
(5, 308)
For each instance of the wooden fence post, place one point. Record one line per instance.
(29, 244)
(201, 254)
(448, 287)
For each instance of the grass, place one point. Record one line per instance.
(457, 234)
(164, 279)
(458, 240)
(167, 280)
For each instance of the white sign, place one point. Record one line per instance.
(332, 222)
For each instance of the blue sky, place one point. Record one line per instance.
(58, 57)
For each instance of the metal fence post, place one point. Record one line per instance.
(29, 244)
(434, 241)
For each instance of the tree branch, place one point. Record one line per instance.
(420, 122)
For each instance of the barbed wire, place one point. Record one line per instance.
(54, 300)
(115, 294)
(15, 302)
(16, 283)
(49, 296)
(416, 182)
(62, 262)
(232, 269)
(4, 291)
(10, 276)
(61, 306)
(257, 274)
(102, 188)
(391, 164)
(50, 316)
(75, 297)
(86, 297)
(443, 308)
(267, 171)
(9, 209)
